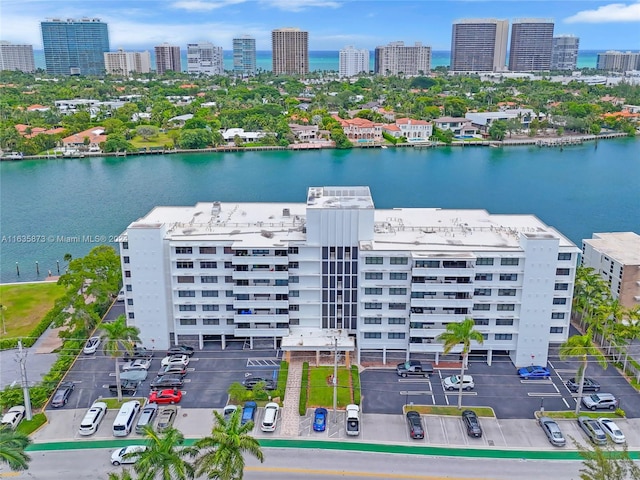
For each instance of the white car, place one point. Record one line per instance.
(92, 418)
(92, 345)
(13, 417)
(453, 382)
(137, 364)
(128, 454)
(612, 430)
(181, 360)
(120, 297)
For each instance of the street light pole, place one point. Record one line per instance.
(22, 358)
(4, 326)
(335, 380)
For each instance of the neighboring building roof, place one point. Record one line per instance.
(22, 130)
(37, 108)
(624, 247)
(411, 121)
(95, 135)
(451, 120)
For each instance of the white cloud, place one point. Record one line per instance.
(614, 12)
(300, 5)
(203, 5)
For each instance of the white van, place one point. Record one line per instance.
(125, 420)
(92, 418)
(352, 420)
(270, 417)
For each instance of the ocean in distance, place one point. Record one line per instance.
(328, 60)
(71, 205)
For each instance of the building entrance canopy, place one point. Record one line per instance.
(316, 339)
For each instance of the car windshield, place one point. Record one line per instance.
(319, 419)
(454, 379)
(556, 435)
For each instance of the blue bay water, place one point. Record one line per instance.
(71, 203)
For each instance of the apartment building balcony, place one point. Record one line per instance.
(260, 289)
(442, 302)
(438, 317)
(260, 303)
(422, 284)
(426, 332)
(425, 347)
(260, 332)
(253, 318)
(260, 260)
(442, 272)
(262, 274)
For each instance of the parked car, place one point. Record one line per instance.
(165, 396)
(471, 423)
(182, 360)
(416, 430)
(592, 428)
(172, 370)
(270, 417)
(453, 382)
(127, 387)
(248, 412)
(61, 397)
(120, 296)
(128, 454)
(414, 367)
(166, 417)
(134, 375)
(589, 385)
(146, 416)
(228, 411)
(251, 382)
(552, 431)
(599, 401)
(352, 420)
(167, 381)
(91, 346)
(612, 430)
(320, 419)
(137, 364)
(137, 352)
(533, 372)
(92, 419)
(13, 417)
(181, 350)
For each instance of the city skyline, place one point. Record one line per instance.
(332, 24)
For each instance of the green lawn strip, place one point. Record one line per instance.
(159, 140)
(572, 415)
(321, 391)
(29, 426)
(27, 304)
(452, 411)
(113, 403)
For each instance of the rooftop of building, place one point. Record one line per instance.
(624, 247)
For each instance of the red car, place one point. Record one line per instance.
(165, 396)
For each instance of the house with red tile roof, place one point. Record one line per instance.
(360, 129)
(414, 130)
(29, 132)
(37, 108)
(76, 141)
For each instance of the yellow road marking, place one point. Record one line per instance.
(343, 473)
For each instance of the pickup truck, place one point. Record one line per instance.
(414, 367)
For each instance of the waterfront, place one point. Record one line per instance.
(70, 205)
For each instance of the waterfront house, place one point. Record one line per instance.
(414, 130)
(460, 126)
(87, 140)
(360, 129)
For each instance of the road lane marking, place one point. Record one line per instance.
(447, 392)
(541, 394)
(415, 392)
(343, 473)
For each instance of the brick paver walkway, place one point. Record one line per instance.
(290, 416)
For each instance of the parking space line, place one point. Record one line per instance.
(565, 402)
(447, 392)
(539, 382)
(414, 380)
(415, 392)
(444, 430)
(542, 394)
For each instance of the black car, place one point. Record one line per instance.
(138, 352)
(416, 430)
(589, 385)
(61, 397)
(181, 350)
(167, 381)
(127, 387)
(251, 382)
(173, 370)
(471, 423)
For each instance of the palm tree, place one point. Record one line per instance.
(222, 452)
(117, 337)
(460, 333)
(164, 457)
(124, 475)
(12, 446)
(581, 346)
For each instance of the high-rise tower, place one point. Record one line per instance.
(290, 51)
(479, 45)
(531, 45)
(167, 58)
(244, 55)
(564, 55)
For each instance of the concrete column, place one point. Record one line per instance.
(223, 337)
(384, 355)
(489, 356)
(201, 341)
(251, 343)
(317, 357)
(287, 356)
(275, 343)
(437, 358)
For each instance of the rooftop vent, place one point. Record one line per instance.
(266, 234)
(286, 212)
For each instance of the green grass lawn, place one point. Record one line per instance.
(453, 411)
(26, 304)
(159, 140)
(321, 390)
(113, 403)
(571, 414)
(29, 426)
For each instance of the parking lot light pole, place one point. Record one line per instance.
(335, 380)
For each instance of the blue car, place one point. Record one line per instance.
(248, 412)
(320, 420)
(533, 372)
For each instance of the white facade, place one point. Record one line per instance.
(390, 279)
(205, 58)
(564, 55)
(396, 58)
(353, 61)
(612, 60)
(244, 55)
(123, 63)
(17, 57)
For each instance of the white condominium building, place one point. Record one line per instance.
(564, 55)
(123, 63)
(380, 280)
(612, 60)
(396, 58)
(205, 58)
(353, 61)
(17, 57)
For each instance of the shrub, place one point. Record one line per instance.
(282, 379)
(238, 393)
(620, 412)
(355, 382)
(304, 389)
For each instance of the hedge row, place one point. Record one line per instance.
(355, 383)
(282, 379)
(304, 390)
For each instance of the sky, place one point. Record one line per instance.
(332, 24)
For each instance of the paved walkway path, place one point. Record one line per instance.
(290, 416)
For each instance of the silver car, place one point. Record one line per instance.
(552, 431)
(592, 429)
(612, 430)
(146, 417)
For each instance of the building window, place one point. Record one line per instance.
(557, 315)
(484, 261)
(398, 260)
(564, 256)
(260, 251)
(556, 330)
(482, 292)
(125, 259)
(484, 277)
(373, 276)
(427, 264)
(129, 301)
(125, 245)
(186, 279)
(372, 334)
(373, 306)
(373, 291)
(128, 288)
(184, 264)
(294, 308)
(561, 286)
(508, 277)
(292, 250)
(503, 336)
(372, 321)
(186, 293)
(230, 309)
(397, 306)
(397, 291)
(188, 321)
(207, 251)
(208, 265)
(210, 321)
(506, 292)
(294, 265)
(481, 306)
(228, 250)
(184, 250)
(187, 308)
(228, 279)
(209, 293)
(395, 335)
(509, 261)
(127, 273)
(562, 271)
(373, 260)
(397, 321)
(210, 308)
(282, 283)
(131, 316)
(481, 321)
(228, 264)
(504, 321)
(559, 301)
(506, 307)
(294, 279)
(397, 276)
(208, 279)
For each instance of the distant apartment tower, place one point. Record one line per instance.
(618, 61)
(479, 45)
(564, 54)
(616, 258)
(17, 57)
(396, 58)
(205, 58)
(290, 51)
(75, 47)
(353, 61)
(531, 45)
(123, 63)
(167, 58)
(244, 55)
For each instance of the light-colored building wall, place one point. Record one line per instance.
(204, 58)
(244, 55)
(122, 63)
(612, 60)
(353, 61)
(167, 58)
(564, 55)
(17, 57)
(397, 58)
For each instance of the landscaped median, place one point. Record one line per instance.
(449, 411)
